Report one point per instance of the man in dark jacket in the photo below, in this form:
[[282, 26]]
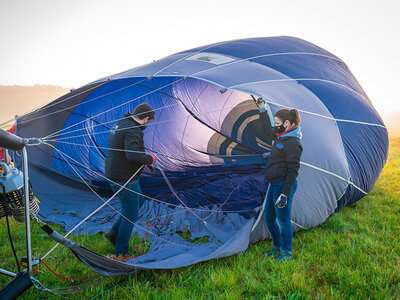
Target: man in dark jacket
[[125, 160]]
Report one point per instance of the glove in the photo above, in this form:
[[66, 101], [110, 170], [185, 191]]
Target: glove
[[281, 201], [154, 158], [149, 167], [261, 104]]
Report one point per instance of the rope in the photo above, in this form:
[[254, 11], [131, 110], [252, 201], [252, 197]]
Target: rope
[[177, 197], [65, 277], [101, 83], [75, 105], [311, 113], [116, 183], [150, 124], [154, 199], [158, 153], [96, 210], [335, 175], [185, 57], [106, 203], [106, 111], [191, 75], [117, 119]]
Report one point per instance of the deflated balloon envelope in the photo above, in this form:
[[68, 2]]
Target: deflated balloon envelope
[[208, 141]]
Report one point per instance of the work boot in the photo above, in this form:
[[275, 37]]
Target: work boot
[[273, 252], [112, 237], [284, 255], [125, 257], [122, 257]]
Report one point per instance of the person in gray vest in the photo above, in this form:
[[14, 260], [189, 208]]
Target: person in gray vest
[[125, 156]]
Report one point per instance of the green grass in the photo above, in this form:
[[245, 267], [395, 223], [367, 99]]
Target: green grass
[[355, 254]]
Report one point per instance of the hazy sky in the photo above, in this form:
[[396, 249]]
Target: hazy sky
[[71, 43]]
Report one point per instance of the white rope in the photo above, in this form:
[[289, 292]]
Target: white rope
[[266, 55], [75, 105], [176, 196], [158, 153], [96, 210], [191, 54], [185, 57], [150, 124], [117, 119], [329, 118], [199, 72], [311, 113], [220, 66], [143, 195], [4, 124], [106, 203], [108, 110], [218, 208], [198, 209], [335, 175], [124, 186]]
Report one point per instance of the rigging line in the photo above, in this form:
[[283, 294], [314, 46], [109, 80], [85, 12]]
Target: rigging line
[[333, 174], [122, 104], [158, 153], [237, 61], [177, 197], [330, 118], [187, 120], [175, 194], [101, 83], [183, 78], [185, 57], [156, 200], [96, 210], [266, 55], [115, 120], [75, 105], [215, 210], [116, 183], [316, 79], [3, 125], [106, 203], [123, 118], [199, 209], [154, 123], [56, 103], [123, 150], [297, 79]]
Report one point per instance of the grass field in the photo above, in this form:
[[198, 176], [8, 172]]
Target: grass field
[[355, 254]]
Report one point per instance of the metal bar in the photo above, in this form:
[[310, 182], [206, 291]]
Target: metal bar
[[27, 214], [6, 156], [8, 273]]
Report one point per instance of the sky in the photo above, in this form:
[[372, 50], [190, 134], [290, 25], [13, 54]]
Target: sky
[[73, 42]]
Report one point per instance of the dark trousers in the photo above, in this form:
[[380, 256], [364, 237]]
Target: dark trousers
[[130, 206], [278, 219]]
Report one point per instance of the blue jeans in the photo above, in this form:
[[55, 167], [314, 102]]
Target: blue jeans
[[130, 206], [282, 235]]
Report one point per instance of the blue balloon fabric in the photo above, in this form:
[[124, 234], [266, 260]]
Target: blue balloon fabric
[[209, 145]]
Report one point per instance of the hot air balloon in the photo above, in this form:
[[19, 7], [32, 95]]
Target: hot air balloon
[[210, 147]]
